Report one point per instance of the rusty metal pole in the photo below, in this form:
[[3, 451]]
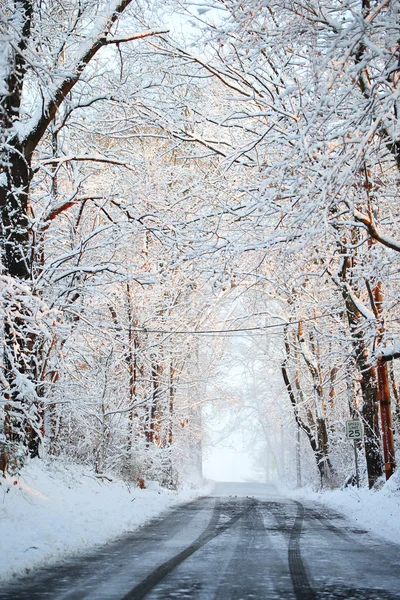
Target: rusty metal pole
[[386, 419], [384, 390]]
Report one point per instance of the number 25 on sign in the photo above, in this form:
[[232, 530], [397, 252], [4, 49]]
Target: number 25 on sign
[[354, 430]]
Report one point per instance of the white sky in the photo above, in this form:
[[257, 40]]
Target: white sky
[[228, 464]]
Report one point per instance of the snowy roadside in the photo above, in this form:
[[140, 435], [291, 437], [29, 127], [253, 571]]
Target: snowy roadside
[[52, 511], [375, 510]]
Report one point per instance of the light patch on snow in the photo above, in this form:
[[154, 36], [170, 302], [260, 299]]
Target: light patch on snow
[[23, 486], [51, 511]]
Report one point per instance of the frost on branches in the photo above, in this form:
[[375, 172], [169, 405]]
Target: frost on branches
[[155, 189]]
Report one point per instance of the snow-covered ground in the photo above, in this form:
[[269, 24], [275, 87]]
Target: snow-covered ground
[[52, 510], [375, 510]]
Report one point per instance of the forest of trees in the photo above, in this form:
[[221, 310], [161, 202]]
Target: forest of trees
[[151, 180]]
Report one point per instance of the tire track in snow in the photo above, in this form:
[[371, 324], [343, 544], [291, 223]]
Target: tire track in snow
[[258, 561], [211, 532], [301, 584]]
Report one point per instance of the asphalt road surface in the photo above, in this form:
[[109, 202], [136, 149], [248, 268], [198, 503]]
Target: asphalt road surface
[[243, 542]]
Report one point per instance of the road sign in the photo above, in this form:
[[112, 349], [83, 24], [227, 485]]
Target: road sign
[[354, 430]]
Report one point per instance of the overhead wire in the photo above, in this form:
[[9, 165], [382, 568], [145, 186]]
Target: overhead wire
[[232, 331]]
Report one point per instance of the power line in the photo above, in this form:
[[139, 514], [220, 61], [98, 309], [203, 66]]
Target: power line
[[230, 331]]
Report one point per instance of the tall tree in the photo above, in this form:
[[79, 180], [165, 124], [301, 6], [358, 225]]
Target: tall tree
[[46, 53]]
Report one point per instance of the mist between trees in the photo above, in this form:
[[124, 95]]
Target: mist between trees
[[149, 182]]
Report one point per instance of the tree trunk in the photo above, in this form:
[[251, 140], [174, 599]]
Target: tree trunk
[[22, 424], [308, 429], [369, 412], [172, 373], [312, 361], [368, 382], [131, 358]]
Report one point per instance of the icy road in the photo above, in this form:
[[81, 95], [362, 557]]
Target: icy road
[[242, 542]]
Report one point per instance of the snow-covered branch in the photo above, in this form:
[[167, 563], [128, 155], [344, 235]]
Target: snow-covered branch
[[389, 353], [382, 238]]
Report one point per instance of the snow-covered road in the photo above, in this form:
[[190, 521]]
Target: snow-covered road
[[244, 541]]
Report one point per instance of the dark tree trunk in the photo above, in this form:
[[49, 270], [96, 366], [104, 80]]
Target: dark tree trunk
[[15, 231], [368, 382], [16, 240], [369, 413], [19, 339], [309, 429]]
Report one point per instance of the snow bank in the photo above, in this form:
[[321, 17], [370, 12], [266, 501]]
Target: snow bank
[[51, 511], [375, 510]]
